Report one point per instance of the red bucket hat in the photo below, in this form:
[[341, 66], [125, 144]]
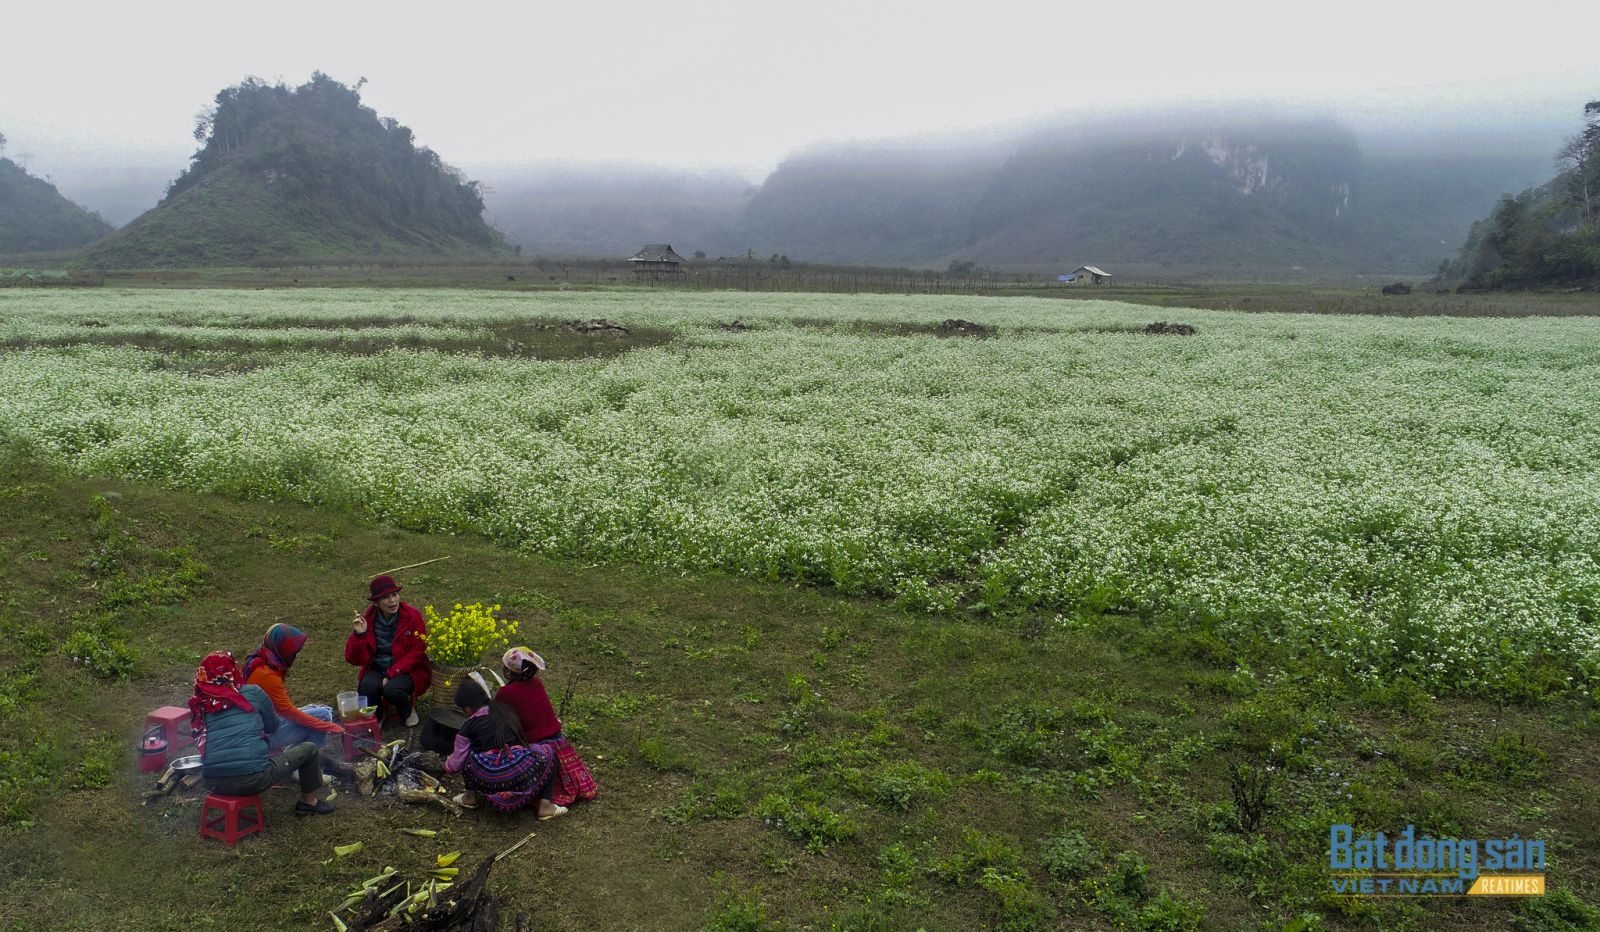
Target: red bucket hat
[[382, 586]]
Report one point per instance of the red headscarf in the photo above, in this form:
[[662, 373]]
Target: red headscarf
[[216, 687]]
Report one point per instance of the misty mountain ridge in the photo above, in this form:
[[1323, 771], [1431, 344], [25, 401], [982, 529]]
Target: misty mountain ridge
[[303, 172], [1161, 190], [35, 217]]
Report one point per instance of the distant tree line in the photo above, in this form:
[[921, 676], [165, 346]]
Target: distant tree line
[[1549, 235]]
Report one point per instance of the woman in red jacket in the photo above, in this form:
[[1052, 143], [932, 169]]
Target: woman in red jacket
[[389, 643]]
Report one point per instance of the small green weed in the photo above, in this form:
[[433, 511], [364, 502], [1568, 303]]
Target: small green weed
[[1028, 734], [809, 822], [1169, 913], [1559, 910], [99, 764], [25, 772], [1130, 876], [1070, 856], [664, 755], [898, 785], [97, 645], [702, 803], [994, 864], [745, 913], [1510, 761]]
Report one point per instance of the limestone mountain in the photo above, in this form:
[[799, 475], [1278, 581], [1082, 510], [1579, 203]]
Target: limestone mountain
[[1177, 193], [1180, 196], [303, 172], [34, 217]]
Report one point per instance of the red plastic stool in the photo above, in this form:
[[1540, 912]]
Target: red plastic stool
[[174, 723], [358, 730], [226, 825]]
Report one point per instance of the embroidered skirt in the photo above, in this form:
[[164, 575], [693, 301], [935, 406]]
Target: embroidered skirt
[[571, 781], [509, 777]]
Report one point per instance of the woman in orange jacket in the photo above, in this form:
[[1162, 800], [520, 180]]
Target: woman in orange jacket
[[268, 667]]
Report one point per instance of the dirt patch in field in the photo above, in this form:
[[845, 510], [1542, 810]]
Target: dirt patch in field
[[1158, 328], [529, 339], [354, 322], [1162, 328], [598, 326], [954, 327]]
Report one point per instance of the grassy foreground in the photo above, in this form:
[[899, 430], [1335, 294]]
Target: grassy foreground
[[766, 754]]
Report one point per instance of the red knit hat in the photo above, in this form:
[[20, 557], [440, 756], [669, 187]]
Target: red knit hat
[[382, 586]]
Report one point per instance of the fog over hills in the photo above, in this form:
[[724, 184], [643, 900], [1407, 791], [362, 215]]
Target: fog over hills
[[1175, 191], [1178, 190], [579, 210], [117, 192]]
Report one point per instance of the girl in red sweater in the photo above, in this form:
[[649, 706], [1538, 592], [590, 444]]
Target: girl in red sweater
[[524, 692]]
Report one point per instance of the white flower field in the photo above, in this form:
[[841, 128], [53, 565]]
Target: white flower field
[[1417, 495]]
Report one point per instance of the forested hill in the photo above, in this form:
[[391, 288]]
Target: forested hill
[[303, 172], [1546, 236], [34, 217]]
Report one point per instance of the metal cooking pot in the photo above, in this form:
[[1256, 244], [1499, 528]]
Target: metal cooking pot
[[186, 764]]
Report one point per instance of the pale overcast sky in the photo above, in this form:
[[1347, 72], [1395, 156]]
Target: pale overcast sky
[[742, 83]]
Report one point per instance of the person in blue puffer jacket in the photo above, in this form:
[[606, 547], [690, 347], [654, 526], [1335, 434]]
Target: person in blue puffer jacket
[[233, 723]]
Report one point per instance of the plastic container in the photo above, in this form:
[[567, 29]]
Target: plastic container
[[349, 702]]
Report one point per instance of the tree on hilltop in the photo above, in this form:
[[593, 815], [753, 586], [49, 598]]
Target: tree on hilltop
[[1581, 157]]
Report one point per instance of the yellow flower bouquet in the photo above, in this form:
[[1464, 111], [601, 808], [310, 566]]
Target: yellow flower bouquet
[[462, 637]]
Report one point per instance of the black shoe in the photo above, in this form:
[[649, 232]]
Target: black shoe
[[320, 808]]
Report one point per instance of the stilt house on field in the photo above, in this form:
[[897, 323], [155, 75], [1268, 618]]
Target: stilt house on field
[[657, 261], [1088, 273]]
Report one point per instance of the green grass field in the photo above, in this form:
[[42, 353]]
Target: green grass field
[[867, 627]]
